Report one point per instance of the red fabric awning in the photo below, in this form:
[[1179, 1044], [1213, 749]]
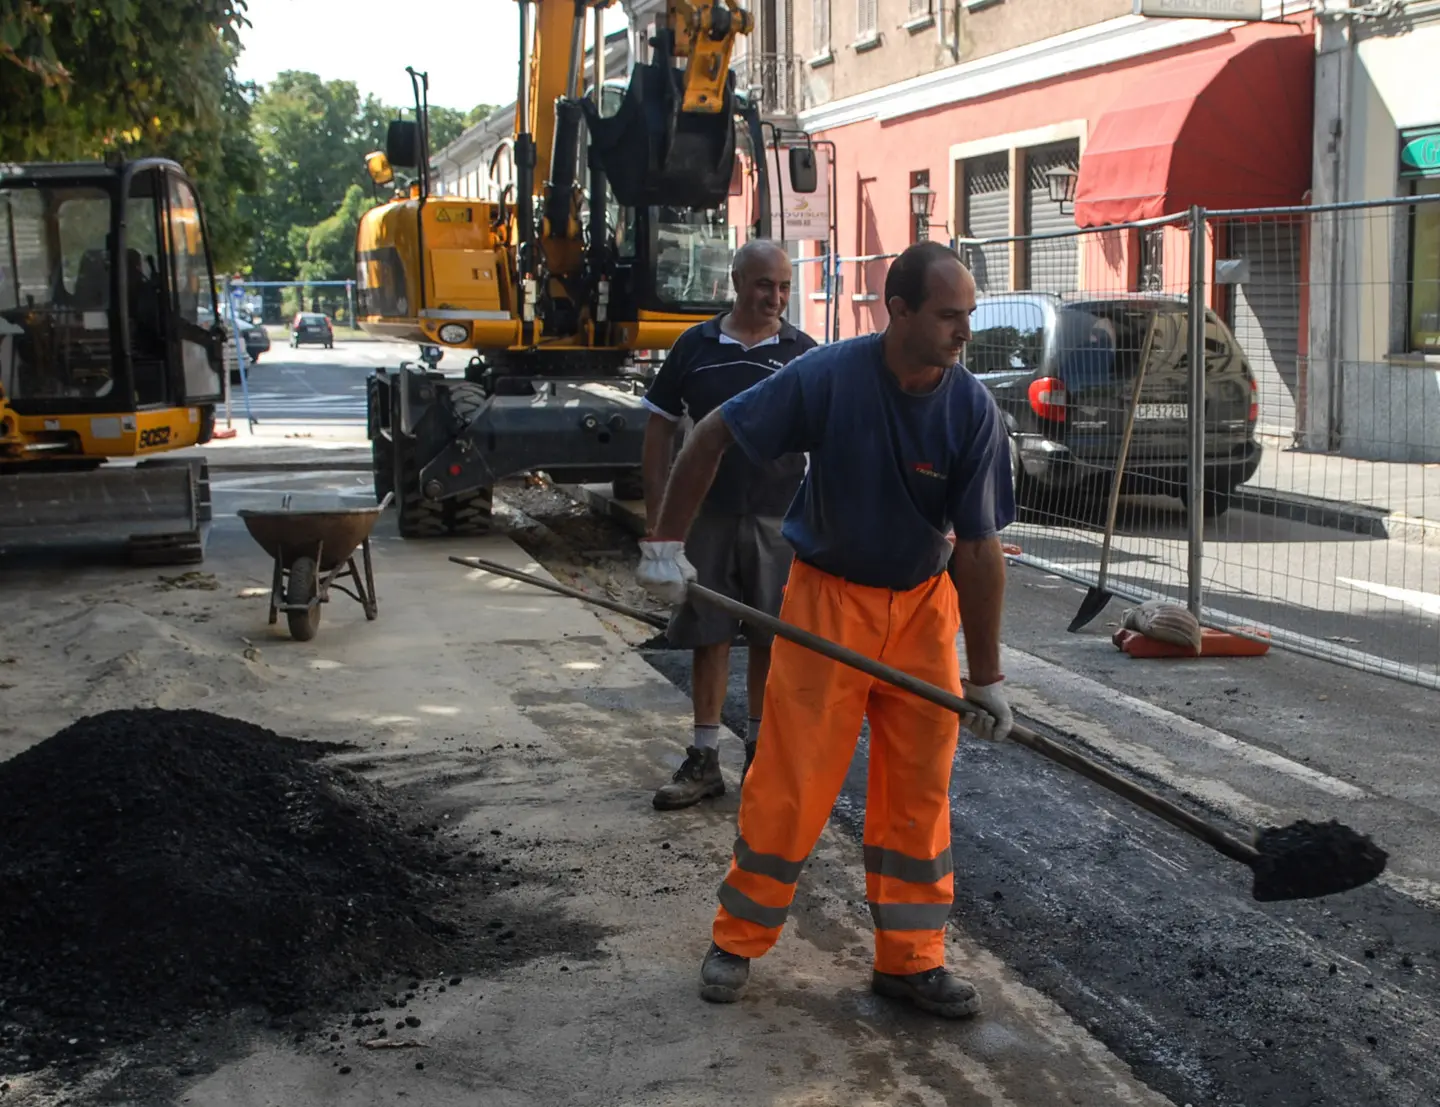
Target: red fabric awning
[[1226, 129]]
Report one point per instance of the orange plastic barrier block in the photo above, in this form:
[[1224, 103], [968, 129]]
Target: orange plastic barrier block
[[1213, 643]]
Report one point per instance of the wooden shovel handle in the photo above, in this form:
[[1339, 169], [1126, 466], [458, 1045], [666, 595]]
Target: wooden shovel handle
[[1176, 816]]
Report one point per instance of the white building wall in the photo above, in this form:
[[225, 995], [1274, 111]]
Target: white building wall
[[1369, 395]]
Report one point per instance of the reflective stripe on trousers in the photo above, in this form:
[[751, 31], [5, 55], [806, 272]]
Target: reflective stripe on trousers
[[813, 711]]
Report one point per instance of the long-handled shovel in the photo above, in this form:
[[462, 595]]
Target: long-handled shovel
[[1098, 596], [1301, 861]]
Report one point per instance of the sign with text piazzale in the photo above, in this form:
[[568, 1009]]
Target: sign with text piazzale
[[1250, 11]]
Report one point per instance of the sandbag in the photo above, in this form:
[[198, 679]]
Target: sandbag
[[1164, 622]]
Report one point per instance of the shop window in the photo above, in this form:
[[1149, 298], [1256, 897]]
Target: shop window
[[1424, 269]]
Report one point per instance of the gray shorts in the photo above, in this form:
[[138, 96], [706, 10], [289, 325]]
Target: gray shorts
[[740, 556]]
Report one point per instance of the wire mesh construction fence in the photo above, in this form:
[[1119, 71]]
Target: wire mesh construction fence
[[1277, 369]]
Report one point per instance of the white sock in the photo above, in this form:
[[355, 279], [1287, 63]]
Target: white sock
[[707, 737], [752, 731]]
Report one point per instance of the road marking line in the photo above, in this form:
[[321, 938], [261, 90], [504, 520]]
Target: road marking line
[[1055, 680], [1427, 602]]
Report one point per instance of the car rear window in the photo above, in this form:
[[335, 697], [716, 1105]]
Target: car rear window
[[312, 318]]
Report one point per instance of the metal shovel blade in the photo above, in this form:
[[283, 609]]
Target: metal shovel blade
[[1308, 860], [1091, 606]]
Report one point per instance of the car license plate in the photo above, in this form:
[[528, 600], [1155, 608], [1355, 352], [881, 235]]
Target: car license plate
[[1162, 411]]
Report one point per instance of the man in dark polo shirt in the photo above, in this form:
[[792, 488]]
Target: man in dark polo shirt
[[735, 545]]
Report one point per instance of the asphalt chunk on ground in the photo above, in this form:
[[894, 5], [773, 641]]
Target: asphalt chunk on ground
[[156, 865]]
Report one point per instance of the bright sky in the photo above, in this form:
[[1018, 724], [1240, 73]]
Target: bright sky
[[469, 47]]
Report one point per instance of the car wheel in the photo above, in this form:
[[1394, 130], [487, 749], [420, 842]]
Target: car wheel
[[1027, 490], [1217, 501]]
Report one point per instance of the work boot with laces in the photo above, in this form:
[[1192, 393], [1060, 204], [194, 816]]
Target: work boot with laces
[[723, 975], [697, 779], [934, 990]]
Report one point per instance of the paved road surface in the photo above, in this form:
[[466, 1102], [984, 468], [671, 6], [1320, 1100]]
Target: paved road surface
[[1150, 938], [313, 384], [1147, 937]]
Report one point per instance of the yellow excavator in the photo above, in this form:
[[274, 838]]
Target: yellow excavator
[[612, 236], [111, 356]]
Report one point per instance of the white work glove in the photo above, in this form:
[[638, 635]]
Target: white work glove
[[994, 722], [665, 571]]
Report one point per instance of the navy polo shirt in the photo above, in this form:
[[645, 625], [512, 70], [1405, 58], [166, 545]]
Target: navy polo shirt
[[705, 368]]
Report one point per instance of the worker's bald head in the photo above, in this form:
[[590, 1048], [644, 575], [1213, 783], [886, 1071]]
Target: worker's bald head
[[757, 253], [761, 272]]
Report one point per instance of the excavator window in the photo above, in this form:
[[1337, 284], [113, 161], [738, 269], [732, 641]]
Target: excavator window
[[55, 240], [692, 256]]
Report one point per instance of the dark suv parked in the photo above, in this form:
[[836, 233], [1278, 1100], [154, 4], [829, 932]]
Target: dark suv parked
[[1063, 372]]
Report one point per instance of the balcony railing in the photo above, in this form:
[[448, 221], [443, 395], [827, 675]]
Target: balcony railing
[[772, 80]]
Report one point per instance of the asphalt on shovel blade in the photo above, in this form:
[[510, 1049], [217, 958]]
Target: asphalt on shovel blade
[[1094, 602], [1307, 860]]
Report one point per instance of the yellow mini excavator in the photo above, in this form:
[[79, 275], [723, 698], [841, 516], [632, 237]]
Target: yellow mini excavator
[[611, 236], [111, 354]]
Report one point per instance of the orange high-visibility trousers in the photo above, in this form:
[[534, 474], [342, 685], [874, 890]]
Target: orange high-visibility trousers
[[813, 711]]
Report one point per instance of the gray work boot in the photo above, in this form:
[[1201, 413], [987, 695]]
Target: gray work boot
[[723, 975], [934, 990], [749, 757], [697, 779]]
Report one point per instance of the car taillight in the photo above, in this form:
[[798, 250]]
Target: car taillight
[[1254, 401], [1047, 398]]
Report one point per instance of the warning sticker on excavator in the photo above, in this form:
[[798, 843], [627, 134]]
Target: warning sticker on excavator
[[454, 215]]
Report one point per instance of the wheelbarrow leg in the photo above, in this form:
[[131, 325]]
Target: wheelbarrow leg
[[372, 602], [277, 587]]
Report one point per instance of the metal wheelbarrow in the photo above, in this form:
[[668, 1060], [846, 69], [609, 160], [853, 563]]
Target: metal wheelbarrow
[[313, 551]]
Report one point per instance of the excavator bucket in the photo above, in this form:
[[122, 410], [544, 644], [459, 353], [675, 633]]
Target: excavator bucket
[[655, 154]]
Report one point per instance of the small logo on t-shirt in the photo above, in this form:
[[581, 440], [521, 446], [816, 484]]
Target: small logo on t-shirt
[[925, 469]]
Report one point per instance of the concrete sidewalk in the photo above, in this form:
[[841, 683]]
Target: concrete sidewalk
[[529, 721], [1377, 498]]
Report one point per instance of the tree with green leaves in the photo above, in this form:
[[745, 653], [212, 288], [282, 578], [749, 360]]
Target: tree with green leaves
[[79, 80]]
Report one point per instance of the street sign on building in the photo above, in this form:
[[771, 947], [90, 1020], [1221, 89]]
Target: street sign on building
[[806, 214], [1250, 11]]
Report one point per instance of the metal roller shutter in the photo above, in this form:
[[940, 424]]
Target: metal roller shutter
[[987, 215], [1267, 315], [1053, 264]]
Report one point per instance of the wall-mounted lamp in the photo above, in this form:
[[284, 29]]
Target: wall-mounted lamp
[[922, 201], [1062, 182]]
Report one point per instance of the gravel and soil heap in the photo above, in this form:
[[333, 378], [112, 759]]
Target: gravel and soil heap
[[157, 864]]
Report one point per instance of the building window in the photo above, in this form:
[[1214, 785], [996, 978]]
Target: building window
[[1424, 269], [919, 220], [1152, 260], [867, 20], [920, 10], [820, 28]]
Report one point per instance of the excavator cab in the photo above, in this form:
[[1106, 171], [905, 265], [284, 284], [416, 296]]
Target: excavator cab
[[107, 301], [110, 347]]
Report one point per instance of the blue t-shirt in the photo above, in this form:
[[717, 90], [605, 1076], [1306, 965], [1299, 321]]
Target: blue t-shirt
[[890, 472]]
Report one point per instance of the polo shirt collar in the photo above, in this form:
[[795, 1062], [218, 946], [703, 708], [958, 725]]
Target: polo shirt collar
[[711, 329]]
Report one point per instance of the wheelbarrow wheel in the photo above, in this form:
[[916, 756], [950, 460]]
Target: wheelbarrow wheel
[[300, 589]]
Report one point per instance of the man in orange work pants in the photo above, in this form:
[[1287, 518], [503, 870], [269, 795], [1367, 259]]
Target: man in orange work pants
[[905, 447]]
